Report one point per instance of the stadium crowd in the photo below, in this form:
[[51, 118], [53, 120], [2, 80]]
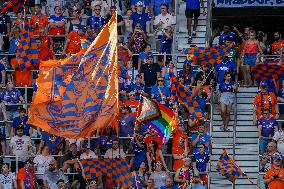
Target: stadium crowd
[[64, 28]]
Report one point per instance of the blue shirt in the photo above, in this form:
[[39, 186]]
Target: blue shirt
[[139, 154], [142, 18], [14, 42], [57, 19], [201, 161], [17, 121], [143, 57], [267, 126], [11, 97], [126, 126], [222, 68], [281, 92], [202, 140], [105, 142], [53, 142], [2, 67], [96, 22], [158, 92], [166, 45], [192, 4], [224, 87]]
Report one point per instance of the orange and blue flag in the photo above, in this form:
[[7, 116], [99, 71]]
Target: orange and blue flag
[[27, 52], [179, 94], [118, 169], [77, 95], [12, 6], [268, 70], [205, 56], [227, 167]]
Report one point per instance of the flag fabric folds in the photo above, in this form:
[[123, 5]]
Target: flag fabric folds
[[117, 168], [27, 52], [179, 94], [159, 118], [265, 71], [205, 56], [79, 94], [227, 167], [12, 6]]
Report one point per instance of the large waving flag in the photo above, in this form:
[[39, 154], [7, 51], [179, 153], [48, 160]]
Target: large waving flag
[[27, 52], [227, 167], [77, 95], [265, 71], [179, 94], [206, 56], [158, 118], [118, 169], [12, 6]]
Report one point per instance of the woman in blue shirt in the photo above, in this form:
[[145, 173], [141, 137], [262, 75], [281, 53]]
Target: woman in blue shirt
[[226, 99]]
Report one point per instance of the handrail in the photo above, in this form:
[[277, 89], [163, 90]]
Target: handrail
[[235, 123], [210, 131], [209, 22]]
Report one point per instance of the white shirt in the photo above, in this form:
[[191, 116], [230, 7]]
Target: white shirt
[[168, 20], [42, 164], [110, 153], [89, 156], [7, 181], [279, 138], [21, 146]]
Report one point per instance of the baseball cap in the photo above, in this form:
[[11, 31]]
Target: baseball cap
[[150, 55], [263, 84], [139, 3]]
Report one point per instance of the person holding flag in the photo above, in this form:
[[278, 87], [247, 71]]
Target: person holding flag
[[275, 174]]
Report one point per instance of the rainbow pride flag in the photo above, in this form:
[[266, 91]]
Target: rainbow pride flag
[[162, 121]]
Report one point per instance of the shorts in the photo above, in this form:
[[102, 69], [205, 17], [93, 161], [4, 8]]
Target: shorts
[[227, 98], [190, 13], [250, 59]]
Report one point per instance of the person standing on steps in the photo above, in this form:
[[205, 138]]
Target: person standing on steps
[[192, 11]]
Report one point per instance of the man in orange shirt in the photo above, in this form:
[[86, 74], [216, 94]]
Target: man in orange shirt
[[265, 100], [74, 40], [133, 104], [274, 177], [26, 176], [278, 44], [38, 21]]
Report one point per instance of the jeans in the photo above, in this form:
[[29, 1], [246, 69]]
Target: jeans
[[263, 144]]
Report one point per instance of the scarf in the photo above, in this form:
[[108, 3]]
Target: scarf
[[27, 182], [262, 102]]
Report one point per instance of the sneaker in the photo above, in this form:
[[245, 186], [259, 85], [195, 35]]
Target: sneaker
[[193, 33], [189, 41]]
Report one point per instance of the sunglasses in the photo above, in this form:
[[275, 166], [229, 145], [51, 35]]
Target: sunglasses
[[98, 9], [160, 80]]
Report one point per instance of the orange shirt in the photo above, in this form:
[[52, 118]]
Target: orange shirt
[[74, 46], [22, 176], [42, 23], [257, 102], [276, 183], [135, 107], [178, 163], [277, 45]]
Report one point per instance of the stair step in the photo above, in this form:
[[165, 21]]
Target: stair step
[[239, 117], [247, 89], [239, 123], [239, 157], [246, 134], [238, 140]]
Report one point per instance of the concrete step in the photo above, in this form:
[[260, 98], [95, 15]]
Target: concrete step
[[245, 134], [216, 128], [238, 140], [239, 157], [183, 44], [246, 117], [239, 123], [247, 89], [247, 149]]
